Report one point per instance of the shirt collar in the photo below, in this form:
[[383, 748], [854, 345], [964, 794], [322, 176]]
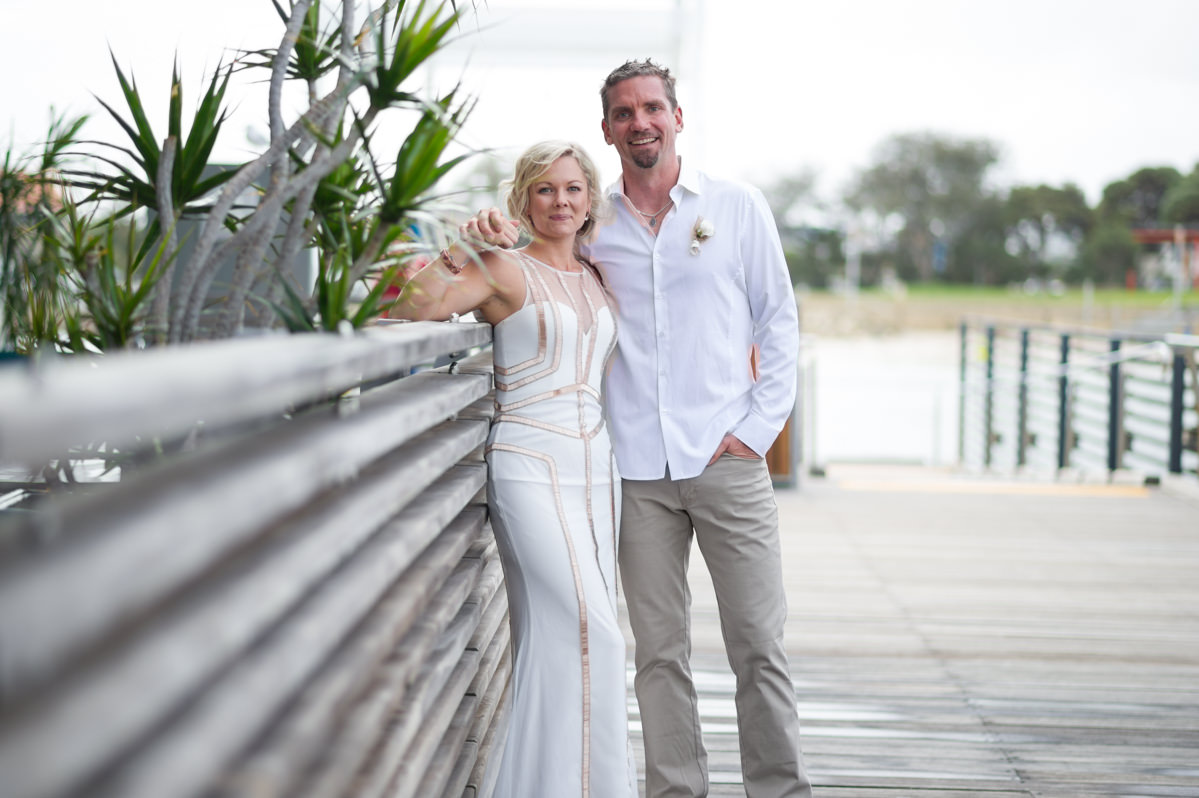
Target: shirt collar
[[689, 179]]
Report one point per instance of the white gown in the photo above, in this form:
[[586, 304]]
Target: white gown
[[554, 495]]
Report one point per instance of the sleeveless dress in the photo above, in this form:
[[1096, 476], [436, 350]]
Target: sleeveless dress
[[554, 495]]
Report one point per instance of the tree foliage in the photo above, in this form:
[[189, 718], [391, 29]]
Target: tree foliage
[[1109, 254], [1137, 200], [1046, 226], [1180, 205], [931, 184], [321, 186], [929, 211]]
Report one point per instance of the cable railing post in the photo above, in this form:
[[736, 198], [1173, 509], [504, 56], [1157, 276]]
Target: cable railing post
[[1063, 406], [1115, 410], [963, 336], [1177, 387], [989, 406], [1022, 405]]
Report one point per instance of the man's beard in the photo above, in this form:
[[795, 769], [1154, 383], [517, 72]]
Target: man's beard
[[646, 160]]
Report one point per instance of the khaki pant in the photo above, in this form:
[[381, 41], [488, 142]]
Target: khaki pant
[[731, 509]]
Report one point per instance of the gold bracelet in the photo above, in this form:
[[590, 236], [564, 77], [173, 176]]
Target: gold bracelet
[[449, 262]]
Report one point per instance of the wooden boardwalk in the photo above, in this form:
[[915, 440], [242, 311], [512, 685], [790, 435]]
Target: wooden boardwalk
[[954, 636]]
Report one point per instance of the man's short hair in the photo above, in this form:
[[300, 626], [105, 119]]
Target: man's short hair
[[636, 69]]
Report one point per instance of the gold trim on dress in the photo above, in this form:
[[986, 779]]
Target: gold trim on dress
[[575, 293], [584, 639]]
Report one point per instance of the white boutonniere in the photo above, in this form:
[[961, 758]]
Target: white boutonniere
[[702, 231]]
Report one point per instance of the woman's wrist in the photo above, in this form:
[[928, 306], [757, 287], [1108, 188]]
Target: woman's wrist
[[451, 265]]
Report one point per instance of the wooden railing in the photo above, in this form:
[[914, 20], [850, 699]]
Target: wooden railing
[[291, 588]]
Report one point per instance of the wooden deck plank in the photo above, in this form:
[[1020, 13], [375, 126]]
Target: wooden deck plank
[[954, 642]]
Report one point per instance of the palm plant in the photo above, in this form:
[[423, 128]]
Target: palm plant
[[178, 165], [113, 283], [34, 295], [318, 187]]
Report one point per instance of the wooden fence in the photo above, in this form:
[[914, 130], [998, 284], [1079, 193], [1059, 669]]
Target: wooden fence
[[292, 588]]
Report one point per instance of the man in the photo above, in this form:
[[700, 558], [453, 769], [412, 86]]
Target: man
[[703, 381]]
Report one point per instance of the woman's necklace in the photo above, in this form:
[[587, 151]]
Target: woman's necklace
[[653, 217]]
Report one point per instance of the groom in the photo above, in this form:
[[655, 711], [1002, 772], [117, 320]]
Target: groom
[[702, 383]]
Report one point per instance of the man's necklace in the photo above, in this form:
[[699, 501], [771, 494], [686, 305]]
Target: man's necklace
[[653, 217]]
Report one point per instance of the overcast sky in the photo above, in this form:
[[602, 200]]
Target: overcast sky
[[1071, 90]]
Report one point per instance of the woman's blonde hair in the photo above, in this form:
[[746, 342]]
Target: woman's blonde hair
[[535, 162]]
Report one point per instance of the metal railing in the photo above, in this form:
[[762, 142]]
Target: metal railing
[[1053, 399], [291, 589]]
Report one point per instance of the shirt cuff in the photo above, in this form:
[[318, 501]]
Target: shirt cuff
[[756, 434]]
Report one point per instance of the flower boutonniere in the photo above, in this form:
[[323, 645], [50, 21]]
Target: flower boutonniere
[[702, 231]]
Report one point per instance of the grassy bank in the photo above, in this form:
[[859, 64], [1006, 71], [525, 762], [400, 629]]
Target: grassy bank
[[939, 307]]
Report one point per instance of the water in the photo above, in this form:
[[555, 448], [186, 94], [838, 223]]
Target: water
[[882, 399]]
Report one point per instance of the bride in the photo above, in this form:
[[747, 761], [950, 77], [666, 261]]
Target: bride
[[553, 487]]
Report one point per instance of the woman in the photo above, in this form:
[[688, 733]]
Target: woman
[[553, 490]]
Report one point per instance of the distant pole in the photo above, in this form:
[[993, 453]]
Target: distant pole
[[1063, 405], [989, 399], [964, 341], [1022, 403], [1115, 410], [853, 263], [1177, 389], [1180, 271]]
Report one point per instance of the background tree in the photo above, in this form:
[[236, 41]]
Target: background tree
[[1137, 200], [978, 254], [933, 185], [814, 255], [1181, 203], [1109, 254], [814, 251], [1046, 227]]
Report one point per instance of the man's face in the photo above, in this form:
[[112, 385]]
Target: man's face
[[640, 123]]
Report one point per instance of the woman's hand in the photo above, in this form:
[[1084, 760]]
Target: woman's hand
[[489, 228]]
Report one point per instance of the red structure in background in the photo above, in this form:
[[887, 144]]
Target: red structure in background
[[1183, 237], [1165, 235]]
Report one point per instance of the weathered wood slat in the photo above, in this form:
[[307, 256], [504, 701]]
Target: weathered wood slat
[[487, 596], [447, 674], [418, 759], [164, 392], [459, 778], [275, 765], [441, 766], [305, 599], [163, 668], [485, 773], [478, 363], [366, 725], [148, 536], [190, 755], [493, 627], [489, 684]]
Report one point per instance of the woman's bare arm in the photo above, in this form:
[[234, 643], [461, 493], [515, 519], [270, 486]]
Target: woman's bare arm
[[459, 284]]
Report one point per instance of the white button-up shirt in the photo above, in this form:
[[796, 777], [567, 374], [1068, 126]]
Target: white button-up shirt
[[689, 325]]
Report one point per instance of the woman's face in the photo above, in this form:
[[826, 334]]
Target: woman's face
[[559, 200]]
